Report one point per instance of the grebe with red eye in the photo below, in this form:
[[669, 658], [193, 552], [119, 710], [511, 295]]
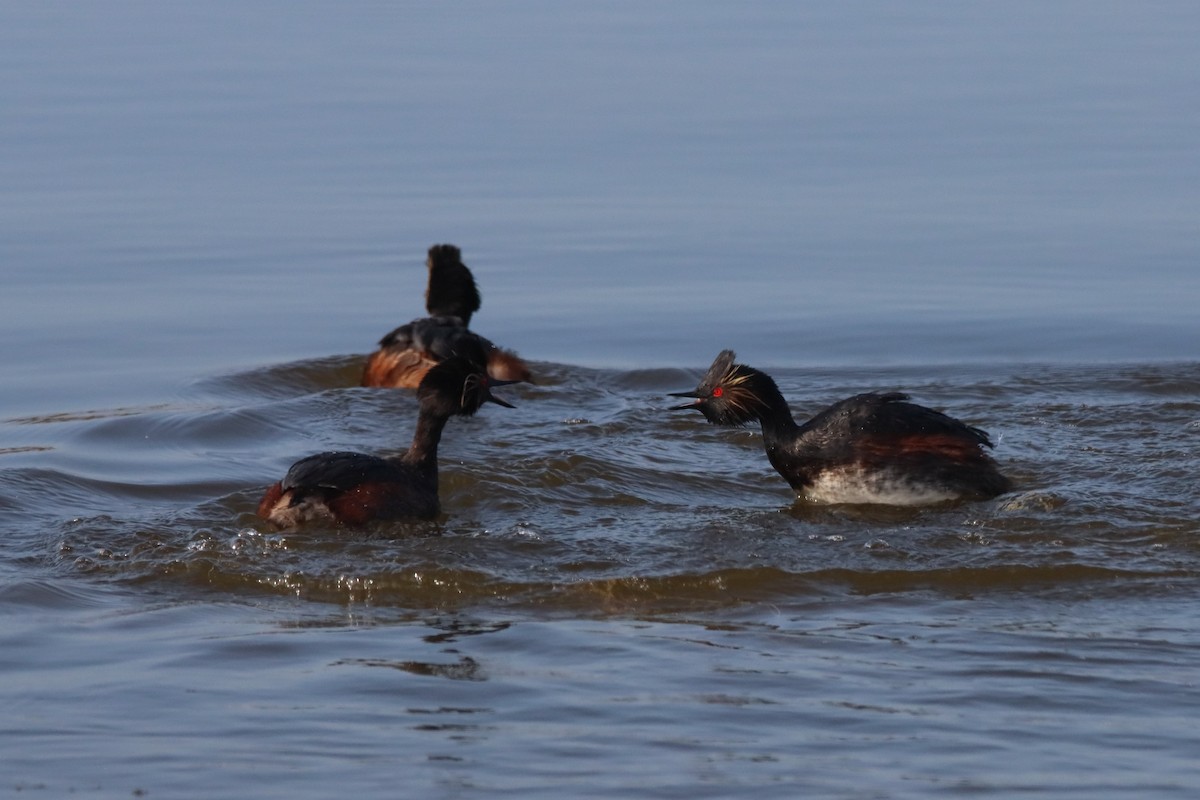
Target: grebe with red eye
[[354, 488], [451, 297], [870, 448]]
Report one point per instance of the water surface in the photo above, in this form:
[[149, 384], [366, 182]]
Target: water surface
[[211, 214]]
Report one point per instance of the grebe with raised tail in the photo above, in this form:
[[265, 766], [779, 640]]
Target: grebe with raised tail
[[870, 448], [451, 297], [354, 488]]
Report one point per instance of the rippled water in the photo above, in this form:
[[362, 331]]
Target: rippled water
[[617, 598], [591, 495], [209, 214]]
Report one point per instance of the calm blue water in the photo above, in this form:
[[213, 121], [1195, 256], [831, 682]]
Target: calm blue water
[[208, 214]]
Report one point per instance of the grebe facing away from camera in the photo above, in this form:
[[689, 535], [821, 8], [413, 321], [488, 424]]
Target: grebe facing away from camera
[[354, 488], [870, 448], [451, 297]]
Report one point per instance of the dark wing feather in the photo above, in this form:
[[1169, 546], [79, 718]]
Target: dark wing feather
[[890, 415], [885, 431], [440, 338], [336, 472]]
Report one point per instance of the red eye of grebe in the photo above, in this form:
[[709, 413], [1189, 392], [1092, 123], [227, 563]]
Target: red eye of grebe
[[718, 391]]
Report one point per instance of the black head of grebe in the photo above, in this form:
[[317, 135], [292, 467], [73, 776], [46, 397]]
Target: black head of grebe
[[870, 448], [733, 394], [451, 297], [354, 488]]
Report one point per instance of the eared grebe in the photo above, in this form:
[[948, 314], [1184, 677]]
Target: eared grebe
[[353, 488], [870, 448], [451, 297]]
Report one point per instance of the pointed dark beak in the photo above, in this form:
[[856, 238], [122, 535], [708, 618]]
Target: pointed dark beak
[[694, 404], [491, 398]]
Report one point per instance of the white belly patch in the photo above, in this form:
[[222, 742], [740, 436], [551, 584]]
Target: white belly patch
[[857, 486]]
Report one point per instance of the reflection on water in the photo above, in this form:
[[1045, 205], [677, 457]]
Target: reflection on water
[[464, 669]]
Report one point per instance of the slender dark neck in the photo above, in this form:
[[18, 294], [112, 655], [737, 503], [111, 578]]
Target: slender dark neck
[[776, 418], [782, 441], [422, 453]]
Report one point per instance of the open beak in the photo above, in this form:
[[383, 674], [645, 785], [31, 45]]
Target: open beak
[[694, 404], [491, 398]]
